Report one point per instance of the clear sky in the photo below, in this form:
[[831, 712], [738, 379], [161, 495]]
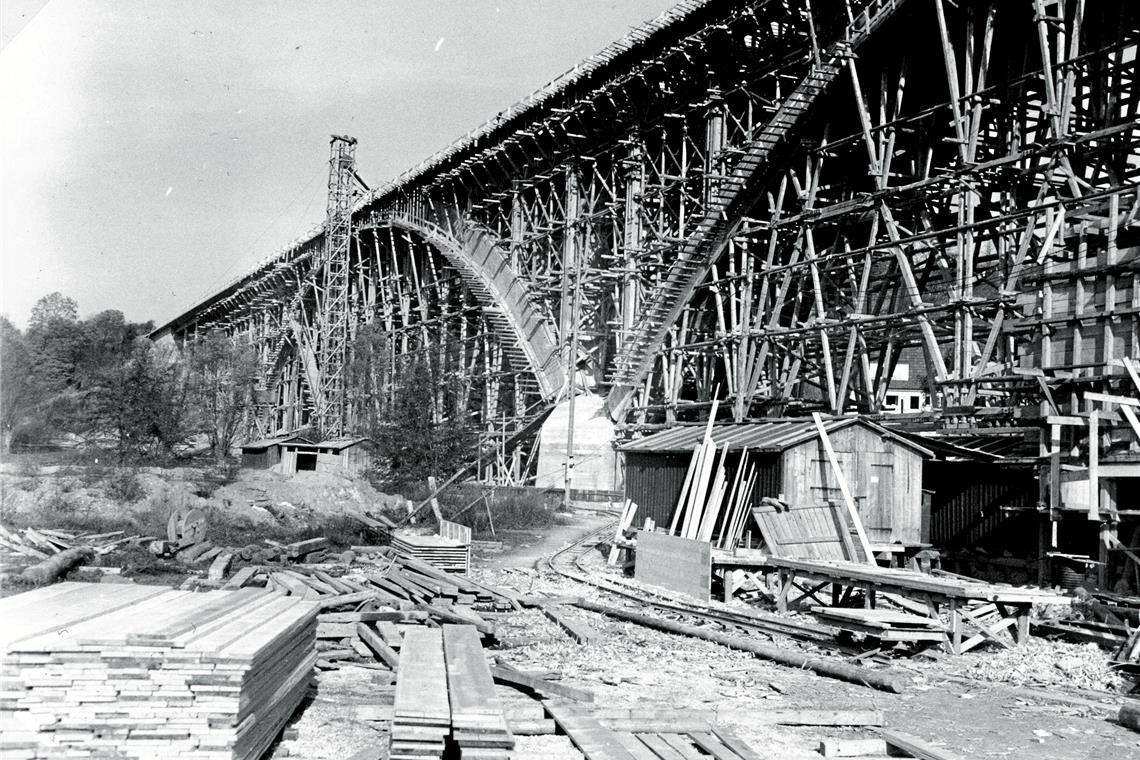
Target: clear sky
[[152, 150]]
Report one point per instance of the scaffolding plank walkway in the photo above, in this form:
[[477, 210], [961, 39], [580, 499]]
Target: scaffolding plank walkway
[[950, 594]]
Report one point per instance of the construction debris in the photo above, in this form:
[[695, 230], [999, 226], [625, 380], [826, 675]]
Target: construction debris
[[43, 543], [822, 666], [1039, 662]]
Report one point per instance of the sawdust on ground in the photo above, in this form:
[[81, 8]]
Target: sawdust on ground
[[627, 665]]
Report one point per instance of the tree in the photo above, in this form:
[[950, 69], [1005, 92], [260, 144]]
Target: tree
[[140, 400], [55, 343], [222, 374], [54, 308], [18, 396], [99, 376], [423, 430]]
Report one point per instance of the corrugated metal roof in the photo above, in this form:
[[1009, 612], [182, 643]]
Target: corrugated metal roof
[[772, 436]]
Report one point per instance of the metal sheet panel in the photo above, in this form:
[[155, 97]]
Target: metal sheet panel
[[653, 482]]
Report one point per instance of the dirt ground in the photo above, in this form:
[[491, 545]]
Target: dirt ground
[[630, 665]]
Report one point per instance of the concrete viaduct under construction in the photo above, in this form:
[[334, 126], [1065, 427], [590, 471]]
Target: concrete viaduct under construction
[[922, 210]]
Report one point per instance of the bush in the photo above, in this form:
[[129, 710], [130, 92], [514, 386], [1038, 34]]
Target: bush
[[27, 467], [94, 474], [139, 560], [227, 529], [57, 506], [124, 486], [221, 474], [510, 510]]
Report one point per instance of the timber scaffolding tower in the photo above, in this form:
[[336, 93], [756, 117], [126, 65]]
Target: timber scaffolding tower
[[772, 204], [332, 298]]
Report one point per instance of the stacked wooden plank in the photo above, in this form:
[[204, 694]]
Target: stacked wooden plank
[[94, 670], [397, 578], [461, 533], [478, 725], [886, 625], [445, 697], [422, 713], [445, 553], [363, 616], [616, 734]]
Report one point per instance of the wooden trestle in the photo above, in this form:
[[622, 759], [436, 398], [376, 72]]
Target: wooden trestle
[[763, 203]]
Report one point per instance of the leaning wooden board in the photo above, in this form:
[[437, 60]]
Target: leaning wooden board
[[679, 564]]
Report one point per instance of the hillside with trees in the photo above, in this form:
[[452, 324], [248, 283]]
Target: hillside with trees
[[100, 381]]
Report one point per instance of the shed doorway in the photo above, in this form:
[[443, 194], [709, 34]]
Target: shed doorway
[[306, 462]]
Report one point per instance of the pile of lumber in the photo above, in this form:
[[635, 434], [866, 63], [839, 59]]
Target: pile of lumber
[[445, 695], [365, 614], [95, 670], [44, 543], [444, 552], [204, 551], [712, 503], [422, 714], [390, 577], [478, 725], [887, 626], [631, 734]]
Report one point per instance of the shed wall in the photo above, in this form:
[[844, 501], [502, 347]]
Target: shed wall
[[884, 477], [261, 460], [357, 459], [653, 482], [967, 502]]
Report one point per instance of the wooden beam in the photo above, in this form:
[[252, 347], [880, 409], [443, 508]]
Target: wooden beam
[[1132, 420], [1108, 398], [915, 746]]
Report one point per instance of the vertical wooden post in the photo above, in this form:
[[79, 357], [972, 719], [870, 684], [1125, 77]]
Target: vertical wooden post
[[1094, 465], [631, 240]]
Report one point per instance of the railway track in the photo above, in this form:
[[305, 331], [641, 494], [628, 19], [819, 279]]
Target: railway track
[[750, 622], [567, 562]]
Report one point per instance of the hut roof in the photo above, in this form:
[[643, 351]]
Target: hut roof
[[773, 436], [265, 443]]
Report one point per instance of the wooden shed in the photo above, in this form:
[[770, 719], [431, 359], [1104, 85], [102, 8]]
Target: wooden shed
[[351, 456], [883, 470], [264, 453]]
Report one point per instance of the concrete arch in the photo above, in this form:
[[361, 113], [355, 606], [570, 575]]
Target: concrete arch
[[526, 335]]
